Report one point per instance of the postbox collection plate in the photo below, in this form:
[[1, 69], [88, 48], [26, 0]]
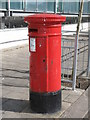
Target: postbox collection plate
[[32, 44]]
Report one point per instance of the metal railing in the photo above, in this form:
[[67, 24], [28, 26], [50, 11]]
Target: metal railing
[[67, 58]]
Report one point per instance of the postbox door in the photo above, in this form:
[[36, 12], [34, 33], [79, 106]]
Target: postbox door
[[38, 64]]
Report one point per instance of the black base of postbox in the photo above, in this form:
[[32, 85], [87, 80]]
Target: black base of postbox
[[45, 102]]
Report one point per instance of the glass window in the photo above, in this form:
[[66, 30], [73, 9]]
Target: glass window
[[31, 5], [41, 5], [66, 7], [16, 4], [71, 7], [59, 5], [86, 7], [89, 7], [2, 4], [50, 5], [74, 7]]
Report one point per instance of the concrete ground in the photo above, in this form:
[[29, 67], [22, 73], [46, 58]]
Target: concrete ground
[[14, 84]]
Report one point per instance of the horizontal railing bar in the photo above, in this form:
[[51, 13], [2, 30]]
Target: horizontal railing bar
[[73, 55], [73, 50], [63, 80], [67, 47]]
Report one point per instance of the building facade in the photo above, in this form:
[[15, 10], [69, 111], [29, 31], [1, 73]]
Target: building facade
[[49, 6], [12, 12]]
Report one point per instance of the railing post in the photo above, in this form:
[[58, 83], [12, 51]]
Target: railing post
[[74, 72], [75, 63], [55, 6], [24, 5], [9, 8], [88, 68]]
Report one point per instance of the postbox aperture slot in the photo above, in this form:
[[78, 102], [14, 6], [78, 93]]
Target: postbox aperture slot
[[33, 30], [43, 60]]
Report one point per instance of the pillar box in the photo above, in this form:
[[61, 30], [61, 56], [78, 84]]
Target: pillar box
[[45, 61]]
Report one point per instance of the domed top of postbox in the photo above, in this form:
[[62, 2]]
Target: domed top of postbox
[[49, 19]]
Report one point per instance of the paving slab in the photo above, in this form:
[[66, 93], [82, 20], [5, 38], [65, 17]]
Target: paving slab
[[12, 82], [14, 105], [9, 114], [71, 98], [16, 95], [79, 108], [15, 89], [64, 95]]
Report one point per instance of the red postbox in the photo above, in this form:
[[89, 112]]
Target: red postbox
[[45, 61]]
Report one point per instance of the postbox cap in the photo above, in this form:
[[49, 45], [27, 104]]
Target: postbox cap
[[44, 19]]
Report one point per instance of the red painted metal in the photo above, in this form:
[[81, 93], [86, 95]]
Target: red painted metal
[[45, 57]]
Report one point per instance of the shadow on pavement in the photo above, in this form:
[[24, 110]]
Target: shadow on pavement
[[16, 105]]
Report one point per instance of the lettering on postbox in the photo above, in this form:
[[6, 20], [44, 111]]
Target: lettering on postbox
[[32, 44]]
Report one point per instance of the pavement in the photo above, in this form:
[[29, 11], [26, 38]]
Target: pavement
[[18, 36], [14, 84]]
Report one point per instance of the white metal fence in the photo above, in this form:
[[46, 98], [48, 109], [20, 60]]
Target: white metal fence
[[67, 57]]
